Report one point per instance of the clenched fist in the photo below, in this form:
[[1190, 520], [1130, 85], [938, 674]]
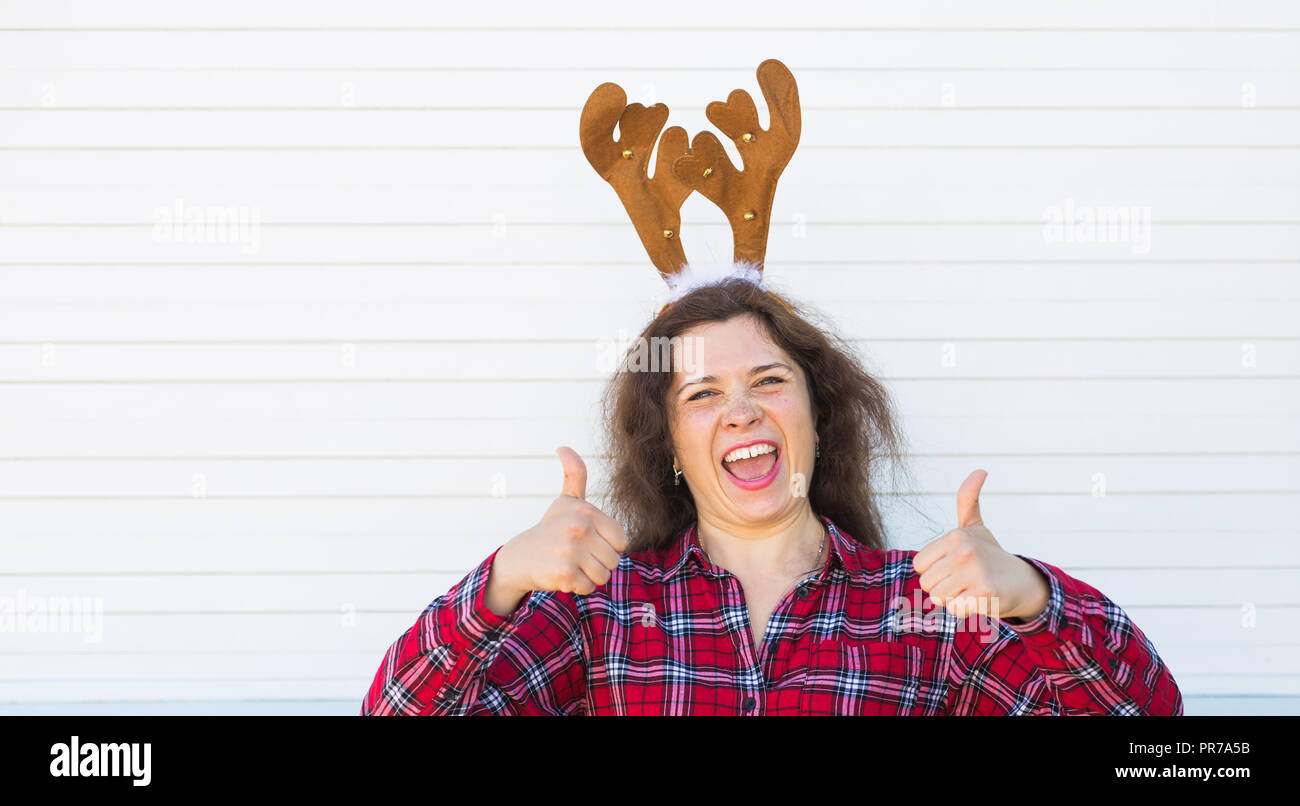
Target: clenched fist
[[961, 566], [573, 548]]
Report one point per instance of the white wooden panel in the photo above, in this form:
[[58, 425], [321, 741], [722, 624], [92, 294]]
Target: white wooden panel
[[189, 650], [398, 318], [928, 14], [870, 201], [235, 442], [1073, 403], [320, 593], [351, 92], [576, 359], [187, 430], [45, 129], [30, 555], [105, 285], [467, 242], [554, 49], [434, 514], [1077, 166], [1207, 474]]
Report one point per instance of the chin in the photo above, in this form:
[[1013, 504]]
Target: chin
[[763, 504]]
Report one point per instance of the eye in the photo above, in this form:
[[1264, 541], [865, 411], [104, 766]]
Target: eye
[[760, 383]]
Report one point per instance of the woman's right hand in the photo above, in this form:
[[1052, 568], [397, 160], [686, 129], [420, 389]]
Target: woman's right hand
[[573, 548]]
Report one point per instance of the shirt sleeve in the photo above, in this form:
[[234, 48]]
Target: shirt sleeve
[[460, 658], [1080, 655]]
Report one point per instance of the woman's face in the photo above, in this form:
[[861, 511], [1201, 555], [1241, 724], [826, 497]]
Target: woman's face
[[736, 388]]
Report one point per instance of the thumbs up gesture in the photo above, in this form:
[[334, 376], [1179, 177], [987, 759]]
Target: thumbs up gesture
[[968, 572], [573, 548]]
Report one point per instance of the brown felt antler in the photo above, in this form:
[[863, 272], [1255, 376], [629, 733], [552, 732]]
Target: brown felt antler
[[745, 196], [654, 205]]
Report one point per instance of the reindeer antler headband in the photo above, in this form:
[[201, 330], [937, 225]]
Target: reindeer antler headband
[[654, 205]]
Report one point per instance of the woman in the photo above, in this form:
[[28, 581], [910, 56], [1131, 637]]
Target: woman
[[743, 568]]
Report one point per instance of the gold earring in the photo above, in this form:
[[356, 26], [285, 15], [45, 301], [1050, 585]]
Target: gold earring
[[677, 476]]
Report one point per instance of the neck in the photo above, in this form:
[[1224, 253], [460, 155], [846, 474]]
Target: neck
[[778, 548]]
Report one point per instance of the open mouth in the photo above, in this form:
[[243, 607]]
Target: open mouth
[[752, 462]]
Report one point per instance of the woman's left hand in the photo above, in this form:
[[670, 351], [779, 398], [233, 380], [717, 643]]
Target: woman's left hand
[[967, 572]]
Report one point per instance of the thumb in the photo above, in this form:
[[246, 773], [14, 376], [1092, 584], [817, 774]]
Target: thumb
[[968, 499], [575, 473]]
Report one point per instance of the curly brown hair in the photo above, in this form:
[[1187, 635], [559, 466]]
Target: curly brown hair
[[854, 413]]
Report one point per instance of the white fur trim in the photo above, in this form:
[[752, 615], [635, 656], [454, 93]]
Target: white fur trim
[[702, 274]]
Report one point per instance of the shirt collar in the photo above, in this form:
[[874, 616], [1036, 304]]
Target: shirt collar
[[687, 549]]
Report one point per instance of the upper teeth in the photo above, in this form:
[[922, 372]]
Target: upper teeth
[[749, 452]]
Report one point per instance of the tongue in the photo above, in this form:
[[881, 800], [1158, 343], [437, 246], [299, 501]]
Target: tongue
[[754, 468]]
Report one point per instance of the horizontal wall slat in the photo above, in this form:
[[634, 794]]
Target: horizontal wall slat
[[1081, 165], [181, 431], [296, 551], [683, 92], [120, 596], [104, 284], [1192, 14], [857, 200], [1131, 234], [405, 49], [1198, 675], [471, 475], [114, 518], [1076, 400], [41, 128], [943, 360], [572, 319]]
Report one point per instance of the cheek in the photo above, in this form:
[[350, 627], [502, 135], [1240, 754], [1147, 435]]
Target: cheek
[[696, 416], [697, 435], [791, 412], [693, 429]]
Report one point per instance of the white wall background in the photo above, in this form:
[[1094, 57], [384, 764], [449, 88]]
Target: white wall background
[[266, 457]]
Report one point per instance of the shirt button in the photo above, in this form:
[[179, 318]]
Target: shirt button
[[802, 592], [1112, 663], [750, 702]]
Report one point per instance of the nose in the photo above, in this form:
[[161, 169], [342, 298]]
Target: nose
[[743, 412]]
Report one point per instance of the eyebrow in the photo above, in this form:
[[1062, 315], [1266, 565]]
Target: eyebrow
[[713, 378]]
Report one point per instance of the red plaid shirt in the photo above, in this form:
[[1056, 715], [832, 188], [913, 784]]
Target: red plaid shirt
[[669, 634]]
